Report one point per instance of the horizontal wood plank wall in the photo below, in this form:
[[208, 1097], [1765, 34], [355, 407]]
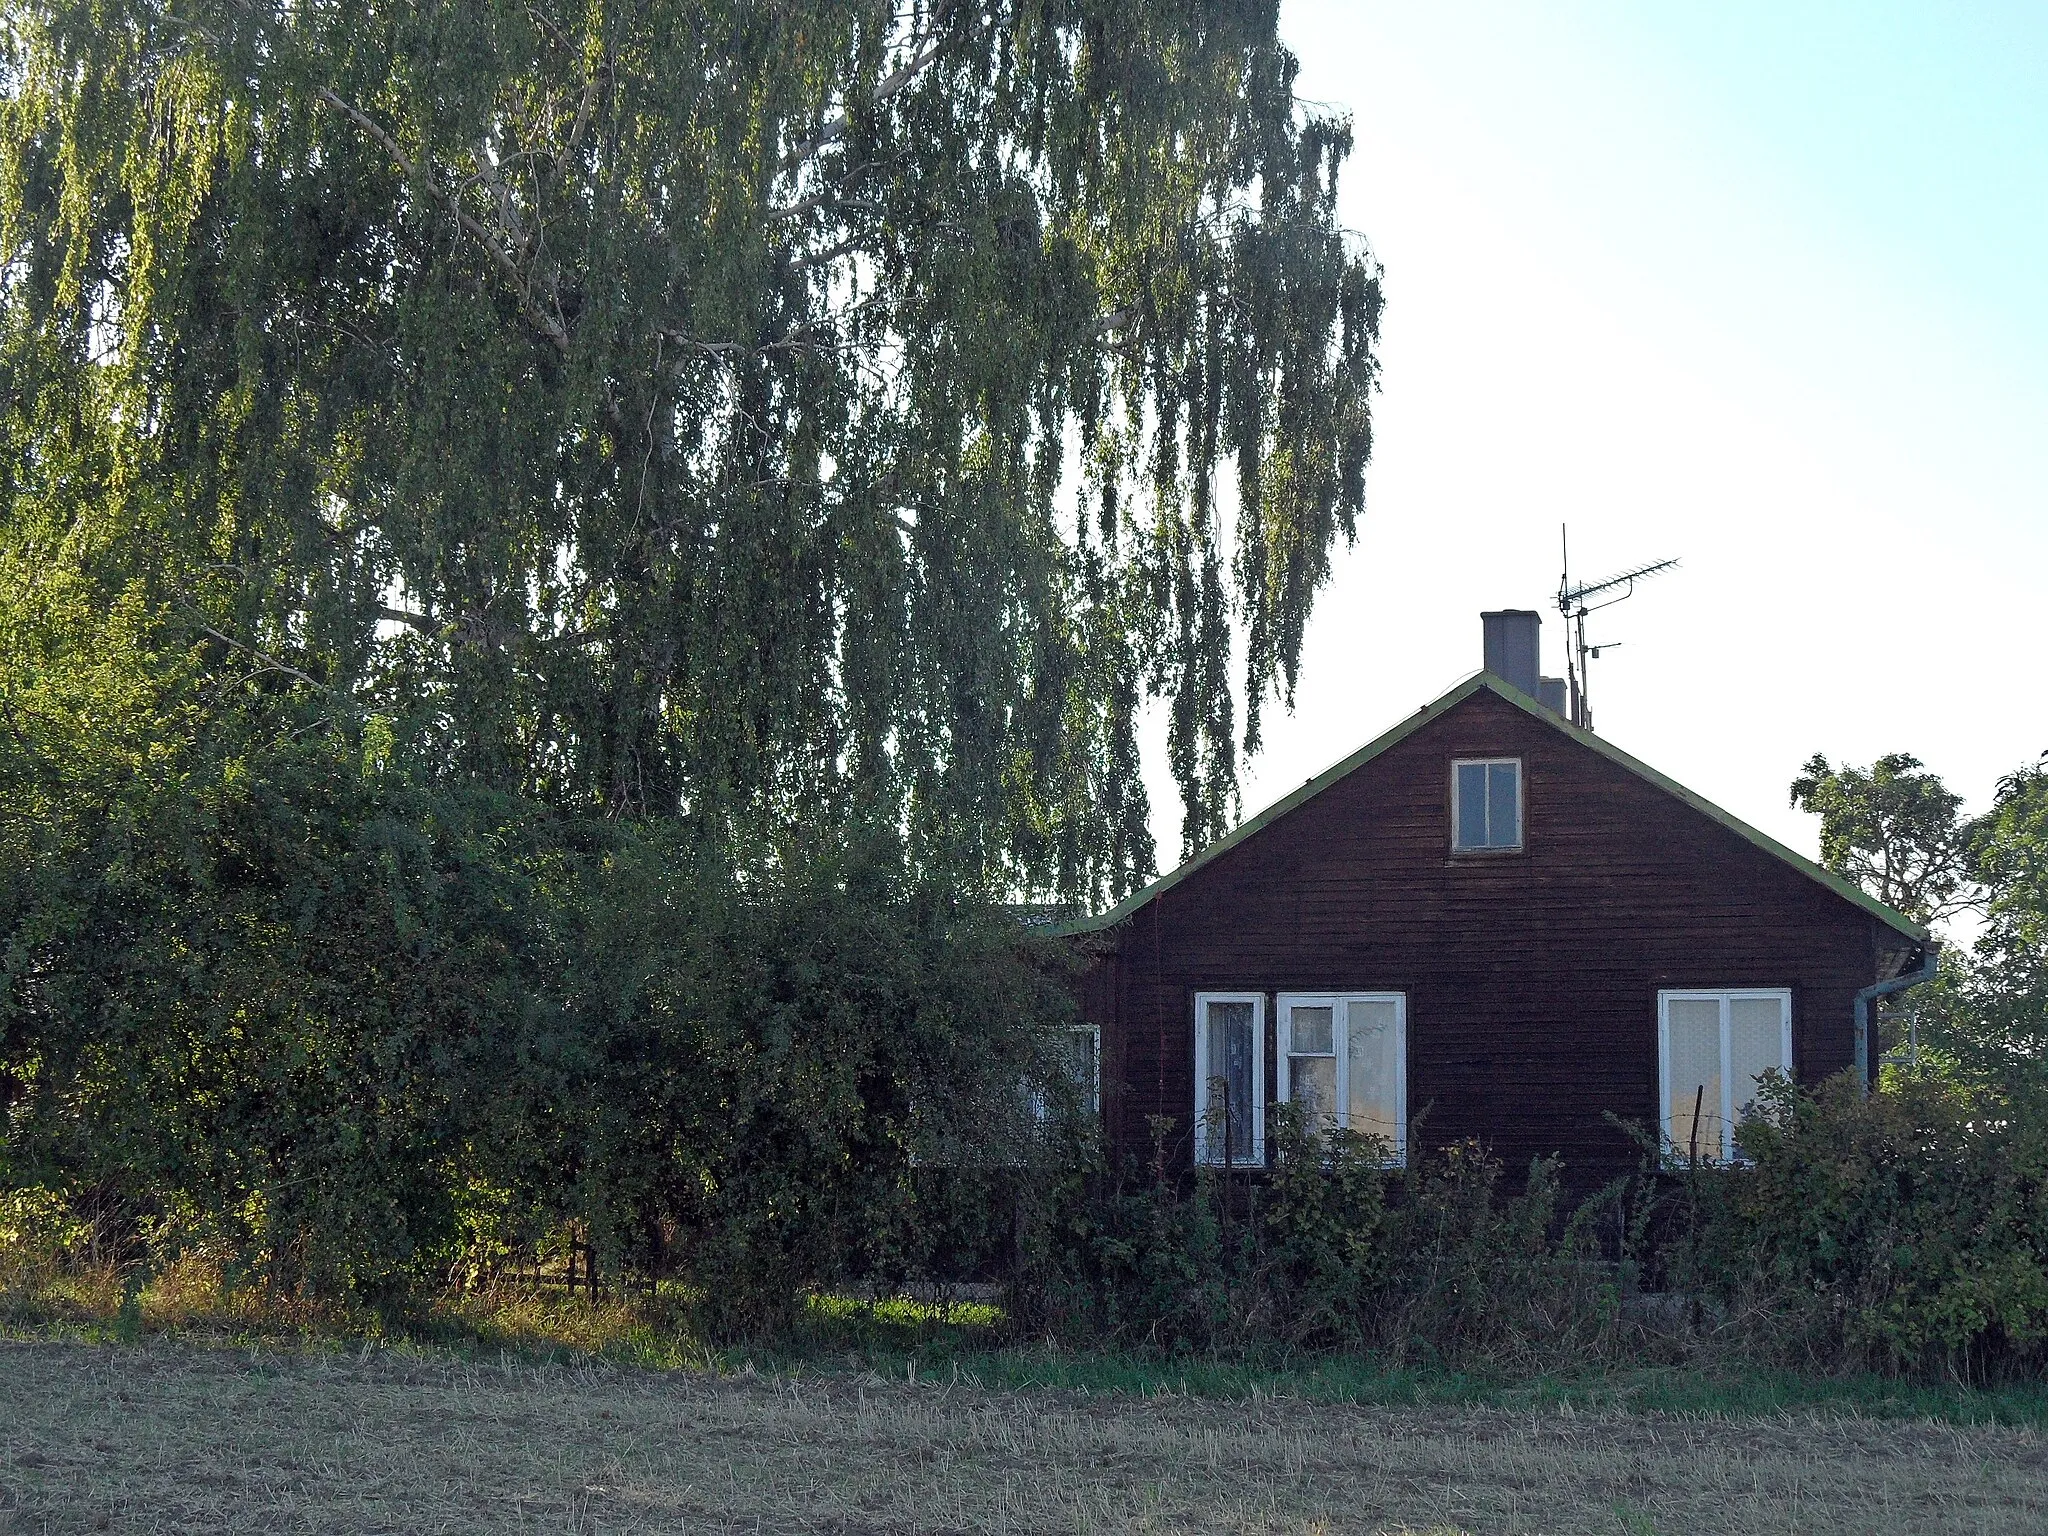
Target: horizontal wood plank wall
[[1532, 978]]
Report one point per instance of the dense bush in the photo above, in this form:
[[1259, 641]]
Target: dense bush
[[1904, 1232], [1336, 1249], [1909, 1229], [276, 1000]]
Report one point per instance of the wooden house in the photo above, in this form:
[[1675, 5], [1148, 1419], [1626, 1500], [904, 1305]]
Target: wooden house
[[1495, 916]]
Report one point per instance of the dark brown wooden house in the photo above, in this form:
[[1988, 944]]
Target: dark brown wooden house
[[1498, 917]]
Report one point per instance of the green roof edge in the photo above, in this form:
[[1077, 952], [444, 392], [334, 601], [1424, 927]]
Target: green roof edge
[[1847, 890]]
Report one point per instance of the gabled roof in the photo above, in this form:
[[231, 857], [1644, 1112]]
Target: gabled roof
[[1845, 889]]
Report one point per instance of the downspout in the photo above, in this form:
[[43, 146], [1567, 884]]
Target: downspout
[[1930, 958]]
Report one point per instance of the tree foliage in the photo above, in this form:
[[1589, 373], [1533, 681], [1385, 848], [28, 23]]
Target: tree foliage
[[1901, 834], [770, 416], [281, 1004], [1894, 829], [558, 562], [1993, 1021]]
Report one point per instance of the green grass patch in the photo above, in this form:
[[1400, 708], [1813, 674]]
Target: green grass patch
[[902, 1339], [1717, 1392]]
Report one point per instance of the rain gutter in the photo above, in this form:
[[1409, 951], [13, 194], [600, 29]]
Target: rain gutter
[[1930, 957]]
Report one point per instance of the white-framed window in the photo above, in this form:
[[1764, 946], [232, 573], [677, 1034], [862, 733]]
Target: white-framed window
[[1230, 1078], [1486, 804], [1712, 1047], [1344, 1059], [1076, 1051]]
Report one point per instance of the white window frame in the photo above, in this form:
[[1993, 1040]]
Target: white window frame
[[1341, 1037], [1726, 997], [1091, 1091], [1206, 1155], [1521, 805]]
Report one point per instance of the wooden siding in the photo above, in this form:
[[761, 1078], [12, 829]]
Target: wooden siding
[[1532, 977]]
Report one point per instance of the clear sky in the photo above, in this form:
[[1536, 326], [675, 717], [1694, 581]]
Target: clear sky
[[1756, 285]]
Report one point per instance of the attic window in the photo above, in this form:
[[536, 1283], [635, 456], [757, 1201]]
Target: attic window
[[1486, 798]]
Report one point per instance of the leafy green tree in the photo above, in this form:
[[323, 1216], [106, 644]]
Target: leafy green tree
[[1900, 833], [776, 417], [2010, 854], [1993, 1022], [1894, 829], [554, 562]]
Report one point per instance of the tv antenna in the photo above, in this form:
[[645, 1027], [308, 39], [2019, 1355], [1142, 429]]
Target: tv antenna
[[1575, 602]]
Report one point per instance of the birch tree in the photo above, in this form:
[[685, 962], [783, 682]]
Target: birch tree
[[786, 417]]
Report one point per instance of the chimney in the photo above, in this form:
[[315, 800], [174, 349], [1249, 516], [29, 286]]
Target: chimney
[[1514, 647]]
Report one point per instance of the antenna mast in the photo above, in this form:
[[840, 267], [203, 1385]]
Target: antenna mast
[[1573, 602]]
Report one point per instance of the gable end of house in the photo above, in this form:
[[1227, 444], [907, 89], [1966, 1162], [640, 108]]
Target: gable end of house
[[1108, 921]]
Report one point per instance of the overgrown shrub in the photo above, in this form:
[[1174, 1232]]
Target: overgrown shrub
[[1908, 1230], [1905, 1232], [349, 1034], [1334, 1250]]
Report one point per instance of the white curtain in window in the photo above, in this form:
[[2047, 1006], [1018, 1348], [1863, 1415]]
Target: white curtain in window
[[1756, 1031], [1374, 1057], [1344, 1061], [1694, 1032], [1716, 1047]]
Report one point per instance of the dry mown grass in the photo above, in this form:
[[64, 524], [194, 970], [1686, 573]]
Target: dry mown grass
[[169, 1437]]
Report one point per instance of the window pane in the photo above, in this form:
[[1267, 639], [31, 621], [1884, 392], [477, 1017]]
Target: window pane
[[1312, 1083], [1311, 1032], [1502, 813], [1374, 1048], [1230, 1079], [1081, 1068], [1757, 1040], [1695, 1076], [1471, 805]]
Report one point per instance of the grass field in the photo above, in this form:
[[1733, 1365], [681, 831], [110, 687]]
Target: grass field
[[174, 1436]]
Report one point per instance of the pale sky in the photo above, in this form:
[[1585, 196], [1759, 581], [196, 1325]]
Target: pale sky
[[1756, 285]]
